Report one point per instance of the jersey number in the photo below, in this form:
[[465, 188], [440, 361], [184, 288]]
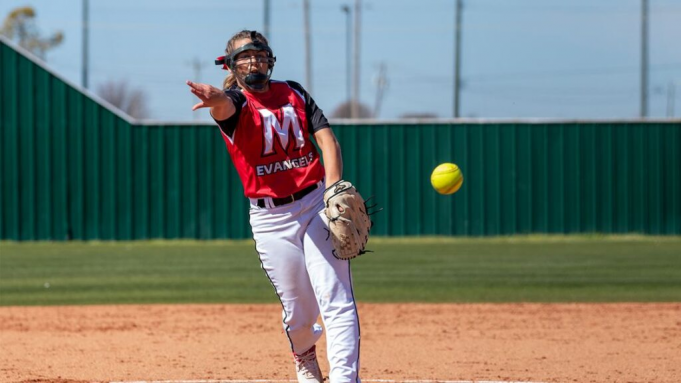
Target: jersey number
[[271, 125]]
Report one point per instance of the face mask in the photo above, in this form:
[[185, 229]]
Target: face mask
[[256, 81]]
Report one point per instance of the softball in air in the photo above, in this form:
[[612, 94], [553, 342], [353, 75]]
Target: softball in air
[[446, 178]]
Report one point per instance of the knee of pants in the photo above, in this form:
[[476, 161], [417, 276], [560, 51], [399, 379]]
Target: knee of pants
[[299, 320], [334, 299], [313, 328], [293, 327], [304, 338]]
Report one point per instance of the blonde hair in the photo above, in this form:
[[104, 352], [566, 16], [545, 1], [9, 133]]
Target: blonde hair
[[230, 80]]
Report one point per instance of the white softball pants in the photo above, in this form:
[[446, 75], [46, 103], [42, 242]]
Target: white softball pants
[[295, 252]]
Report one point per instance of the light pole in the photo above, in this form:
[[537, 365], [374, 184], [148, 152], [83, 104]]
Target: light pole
[[457, 59], [308, 46], [355, 74], [266, 26], [348, 39], [644, 58], [671, 99], [86, 31]]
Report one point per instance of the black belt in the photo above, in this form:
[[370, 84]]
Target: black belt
[[293, 197]]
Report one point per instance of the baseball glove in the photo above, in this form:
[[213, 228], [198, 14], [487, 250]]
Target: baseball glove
[[349, 223]]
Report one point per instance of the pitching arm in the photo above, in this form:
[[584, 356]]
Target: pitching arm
[[221, 106]]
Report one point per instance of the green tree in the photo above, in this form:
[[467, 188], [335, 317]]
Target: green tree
[[20, 26]]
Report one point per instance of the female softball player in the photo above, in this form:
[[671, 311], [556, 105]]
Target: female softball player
[[267, 126]]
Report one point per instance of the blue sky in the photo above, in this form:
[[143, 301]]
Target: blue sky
[[520, 59]]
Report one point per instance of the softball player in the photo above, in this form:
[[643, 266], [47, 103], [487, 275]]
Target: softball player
[[267, 126]]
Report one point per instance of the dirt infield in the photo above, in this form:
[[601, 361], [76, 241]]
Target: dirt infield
[[496, 342]]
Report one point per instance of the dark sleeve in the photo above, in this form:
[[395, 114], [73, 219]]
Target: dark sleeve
[[315, 116], [229, 125]]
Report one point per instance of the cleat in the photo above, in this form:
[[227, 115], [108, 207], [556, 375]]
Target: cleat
[[307, 367]]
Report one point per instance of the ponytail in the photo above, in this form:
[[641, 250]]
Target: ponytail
[[229, 81]]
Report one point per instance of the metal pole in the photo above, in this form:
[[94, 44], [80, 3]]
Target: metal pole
[[348, 40], [266, 26], [196, 65], [381, 85], [86, 31], [457, 58], [308, 47], [671, 99], [356, 75], [644, 58]]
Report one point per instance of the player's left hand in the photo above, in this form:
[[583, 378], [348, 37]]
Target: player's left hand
[[349, 223], [209, 95]]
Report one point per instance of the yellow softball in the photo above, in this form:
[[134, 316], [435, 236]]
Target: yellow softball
[[446, 178]]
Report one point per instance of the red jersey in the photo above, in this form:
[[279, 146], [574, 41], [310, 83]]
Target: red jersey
[[270, 145]]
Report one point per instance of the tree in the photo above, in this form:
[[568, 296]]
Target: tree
[[20, 26], [344, 110], [131, 101]]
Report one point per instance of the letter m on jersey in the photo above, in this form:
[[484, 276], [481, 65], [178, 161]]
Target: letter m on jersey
[[273, 128]]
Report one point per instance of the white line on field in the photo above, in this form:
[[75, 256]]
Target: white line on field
[[293, 381]]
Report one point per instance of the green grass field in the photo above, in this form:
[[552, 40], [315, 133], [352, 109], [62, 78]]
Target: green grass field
[[515, 269]]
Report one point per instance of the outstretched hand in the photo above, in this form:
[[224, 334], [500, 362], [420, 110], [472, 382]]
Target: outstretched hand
[[210, 96]]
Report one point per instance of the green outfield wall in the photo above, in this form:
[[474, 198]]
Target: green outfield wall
[[75, 168]]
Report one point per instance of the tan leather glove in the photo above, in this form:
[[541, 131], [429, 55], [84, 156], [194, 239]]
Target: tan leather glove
[[349, 223]]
